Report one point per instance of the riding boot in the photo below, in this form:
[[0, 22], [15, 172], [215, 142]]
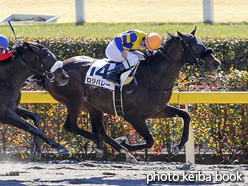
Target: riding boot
[[115, 74]]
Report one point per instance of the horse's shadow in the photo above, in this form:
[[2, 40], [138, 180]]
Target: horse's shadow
[[78, 181], [13, 182], [97, 181]]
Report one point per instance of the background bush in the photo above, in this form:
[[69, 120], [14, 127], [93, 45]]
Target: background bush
[[219, 129], [232, 52]]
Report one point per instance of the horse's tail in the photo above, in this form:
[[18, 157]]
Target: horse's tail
[[36, 81]]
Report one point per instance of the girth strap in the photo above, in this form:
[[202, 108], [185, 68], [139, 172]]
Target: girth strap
[[117, 101]]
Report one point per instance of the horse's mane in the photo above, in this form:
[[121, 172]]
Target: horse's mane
[[169, 39], [22, 46]]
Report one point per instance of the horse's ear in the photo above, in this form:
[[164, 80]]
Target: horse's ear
[[193, 32], [182, 36]]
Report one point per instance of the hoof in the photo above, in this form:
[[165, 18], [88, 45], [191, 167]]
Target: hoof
[[131, 159], [121, 140], [37, 155], [176, 150], [99, 153], [63, 150]]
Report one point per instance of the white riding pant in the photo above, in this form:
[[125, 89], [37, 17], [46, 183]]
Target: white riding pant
[[113, 53]]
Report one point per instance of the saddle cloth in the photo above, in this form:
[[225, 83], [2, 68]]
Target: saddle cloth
[[96, 75]]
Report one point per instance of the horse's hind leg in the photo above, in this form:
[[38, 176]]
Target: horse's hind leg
[[72, 126], [10, 117], [173, 112], [97, 122], [36, 119]]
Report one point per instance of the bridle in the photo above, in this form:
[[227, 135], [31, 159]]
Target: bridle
[[187, 51], [49, 74], [187, 47]]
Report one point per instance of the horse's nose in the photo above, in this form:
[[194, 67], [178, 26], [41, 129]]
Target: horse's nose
[[217, 63]]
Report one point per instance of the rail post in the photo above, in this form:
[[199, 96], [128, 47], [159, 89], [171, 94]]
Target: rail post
[[80, 12], [208, 11], [190, 145]]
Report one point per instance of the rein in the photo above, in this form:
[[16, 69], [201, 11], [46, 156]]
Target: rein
[[168, 57], [39, 72]]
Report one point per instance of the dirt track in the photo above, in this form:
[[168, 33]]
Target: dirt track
[[67, 172]]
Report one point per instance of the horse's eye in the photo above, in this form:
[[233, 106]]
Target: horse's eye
[[197, 47]]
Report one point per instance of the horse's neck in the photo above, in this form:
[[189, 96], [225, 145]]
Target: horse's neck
[[15, 73], [166, 73], [164, 70], [170, 66]]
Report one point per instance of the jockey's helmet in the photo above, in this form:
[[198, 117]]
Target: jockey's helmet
[[153, 41], [4, 43]]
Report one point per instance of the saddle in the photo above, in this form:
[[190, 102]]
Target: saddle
[[96, 75], [131, 74]]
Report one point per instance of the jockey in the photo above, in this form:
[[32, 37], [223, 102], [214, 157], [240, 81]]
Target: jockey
[[4, 44], [122, 48]]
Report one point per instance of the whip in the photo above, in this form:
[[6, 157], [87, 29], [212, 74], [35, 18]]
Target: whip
[[12, 29]]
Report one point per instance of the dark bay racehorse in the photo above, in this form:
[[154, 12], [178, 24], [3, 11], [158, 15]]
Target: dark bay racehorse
[[149, 99], [30, 58]]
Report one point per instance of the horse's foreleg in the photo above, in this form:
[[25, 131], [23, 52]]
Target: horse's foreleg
[[36, 119], [173, 112], [10, 117]]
